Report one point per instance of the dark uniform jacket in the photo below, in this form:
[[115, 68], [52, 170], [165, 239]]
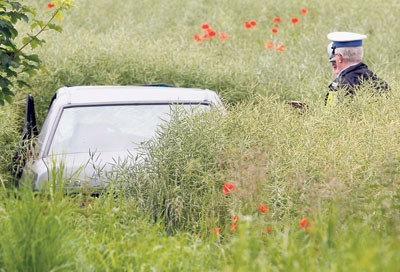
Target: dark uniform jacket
[[354, 76]]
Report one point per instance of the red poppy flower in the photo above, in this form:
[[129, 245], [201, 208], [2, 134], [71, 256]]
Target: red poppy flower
[[275, 30], [211, 32], [304, 11], [276, 20], [253, 22], [216, 231], [227, 188], [247, 24], [263, 208], [223, 36], [280, 47], [234, 223], [269, 45], [197, 38], [205, 36], [234, 226], [304, 223], [205, 26], [294, 20], [50, 5], [268, 230]]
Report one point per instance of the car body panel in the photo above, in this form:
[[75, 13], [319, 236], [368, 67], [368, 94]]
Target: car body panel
[[79, 166]]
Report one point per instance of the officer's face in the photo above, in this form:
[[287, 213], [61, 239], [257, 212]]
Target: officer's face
[[335, 69]]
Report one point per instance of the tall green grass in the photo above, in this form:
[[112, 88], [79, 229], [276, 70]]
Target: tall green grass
[[78, 234], [294, 161], [339, 168]]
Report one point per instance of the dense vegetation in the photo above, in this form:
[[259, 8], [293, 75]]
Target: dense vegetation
[[315, 190]]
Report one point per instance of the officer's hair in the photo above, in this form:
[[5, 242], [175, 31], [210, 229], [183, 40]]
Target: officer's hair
[[351, 54]]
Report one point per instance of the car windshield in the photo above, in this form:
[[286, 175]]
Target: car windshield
[[112, 128]]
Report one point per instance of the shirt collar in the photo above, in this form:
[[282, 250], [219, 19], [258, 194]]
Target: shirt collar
[[348, 68]]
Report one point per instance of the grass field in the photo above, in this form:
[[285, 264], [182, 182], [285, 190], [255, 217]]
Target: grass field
[[329, 177]]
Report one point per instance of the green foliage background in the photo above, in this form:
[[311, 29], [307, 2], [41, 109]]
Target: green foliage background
[[152, 42], [339, 167]]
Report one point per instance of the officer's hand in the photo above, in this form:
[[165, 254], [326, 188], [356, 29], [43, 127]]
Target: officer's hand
[[297, 104]]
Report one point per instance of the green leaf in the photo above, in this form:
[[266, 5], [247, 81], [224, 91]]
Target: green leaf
[[4, 82], [34, 58], [58, 15], [7, 29], [40, 23], [55, 27], [34, 25], [16, 16], [29, 69], [10, 44], [26, 40], [44, 69], [6, 32], [25, 18], [15, 5], [6, 21], [35, 42], [30, 10], [7, 92], [8, 98], [11, 73], [14, 32], [4, 59], [1, 98], [21, 83]]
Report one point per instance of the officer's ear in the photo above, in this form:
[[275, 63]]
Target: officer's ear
[[339, 58]]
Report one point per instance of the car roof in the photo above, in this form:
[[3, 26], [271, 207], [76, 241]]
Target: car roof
[[134, 94]]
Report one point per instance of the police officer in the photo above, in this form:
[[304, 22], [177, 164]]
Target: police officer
[[346, 55]]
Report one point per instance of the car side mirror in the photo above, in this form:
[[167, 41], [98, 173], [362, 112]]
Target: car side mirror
[[30, 127], [25, 146]]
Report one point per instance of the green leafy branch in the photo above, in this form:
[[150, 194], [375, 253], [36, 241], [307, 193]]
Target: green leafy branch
[[14, 62]]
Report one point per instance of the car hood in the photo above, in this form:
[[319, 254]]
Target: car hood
[[81, 170]]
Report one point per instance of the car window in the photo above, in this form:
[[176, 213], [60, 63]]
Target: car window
[[110, 128]]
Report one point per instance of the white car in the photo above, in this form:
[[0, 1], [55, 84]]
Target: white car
[[105, 122]]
